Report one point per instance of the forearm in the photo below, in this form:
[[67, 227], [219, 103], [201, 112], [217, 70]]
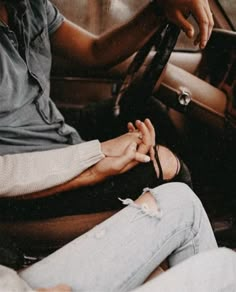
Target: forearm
[[32, 172], [110, 48], [124, 40], [86, 178]]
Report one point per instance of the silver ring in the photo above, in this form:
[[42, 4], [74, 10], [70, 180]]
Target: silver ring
[[140, 136]]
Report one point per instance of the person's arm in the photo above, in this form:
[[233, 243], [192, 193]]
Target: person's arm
[[114, 46], [121, 154], [108, 49], [31, 172], [108, 166], [48, 172]]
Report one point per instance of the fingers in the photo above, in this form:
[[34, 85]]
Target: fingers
[[205, 22], [141, 126], [145, 134], [130, 158], [151, 129], [142, 157], [211, 21], [147, 130], [129, 155], [177, 11], [131, 127], [184, 24], [147, 140], [202, 20]]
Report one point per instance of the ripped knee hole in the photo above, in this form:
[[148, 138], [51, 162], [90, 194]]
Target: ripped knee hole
[[146, 204]]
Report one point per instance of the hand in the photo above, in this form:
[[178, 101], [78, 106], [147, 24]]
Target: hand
[[148, 134], [116, 147], [126, 151], [178, 10], [110, 166]]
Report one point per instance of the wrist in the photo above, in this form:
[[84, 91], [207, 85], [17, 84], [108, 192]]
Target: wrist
[[105, 148]]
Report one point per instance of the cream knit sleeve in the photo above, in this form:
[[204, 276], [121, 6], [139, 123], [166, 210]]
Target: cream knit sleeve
[[30, 172]]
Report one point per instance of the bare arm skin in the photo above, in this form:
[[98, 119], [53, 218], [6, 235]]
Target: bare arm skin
[[108, 166], [87, 50], [108, 49]]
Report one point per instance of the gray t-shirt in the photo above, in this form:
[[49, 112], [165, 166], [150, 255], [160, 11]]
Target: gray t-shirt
[[29, 120]]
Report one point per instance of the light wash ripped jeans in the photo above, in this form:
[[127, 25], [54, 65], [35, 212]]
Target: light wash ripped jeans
[[120, 253]]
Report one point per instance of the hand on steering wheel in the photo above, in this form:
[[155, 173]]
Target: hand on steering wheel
[[177, 10]]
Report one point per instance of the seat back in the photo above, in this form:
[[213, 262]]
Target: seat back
[[44, 236]]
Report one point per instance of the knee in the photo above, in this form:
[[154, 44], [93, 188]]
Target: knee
[[168, 162], [147, 199], [171, 198], [173, 169], [177, 192], [178, 199]]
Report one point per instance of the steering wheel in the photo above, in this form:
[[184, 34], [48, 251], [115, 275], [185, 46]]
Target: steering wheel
[[164, 41]]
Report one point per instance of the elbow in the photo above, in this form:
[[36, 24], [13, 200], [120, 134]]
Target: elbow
[[101, 56]]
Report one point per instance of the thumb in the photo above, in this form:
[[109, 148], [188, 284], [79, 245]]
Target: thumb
[[142, 157], [128, 156], [132, 154]]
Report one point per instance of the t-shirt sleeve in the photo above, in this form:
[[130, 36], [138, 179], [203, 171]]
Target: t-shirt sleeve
[[55, 18], [26, 173]]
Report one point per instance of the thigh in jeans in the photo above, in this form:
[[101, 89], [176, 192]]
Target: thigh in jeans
[[119, 254], [97, 198]]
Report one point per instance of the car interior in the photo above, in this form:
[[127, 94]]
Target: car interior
[[197, 87]]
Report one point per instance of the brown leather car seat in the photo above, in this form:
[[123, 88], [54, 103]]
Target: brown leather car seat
[[45, 235]]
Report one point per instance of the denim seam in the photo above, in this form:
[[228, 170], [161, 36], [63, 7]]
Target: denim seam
[[131, 279], [196, 232]]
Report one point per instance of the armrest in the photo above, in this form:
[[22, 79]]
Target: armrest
[[208, 104]]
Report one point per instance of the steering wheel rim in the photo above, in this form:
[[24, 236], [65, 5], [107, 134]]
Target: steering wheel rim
[[164, 40]]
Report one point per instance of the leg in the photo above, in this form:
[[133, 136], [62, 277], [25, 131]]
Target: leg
[[118, 255], [213, 270], [97, 198], [170, 168]]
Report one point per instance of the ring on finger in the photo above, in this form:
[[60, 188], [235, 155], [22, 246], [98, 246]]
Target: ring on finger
[[140, 136]]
